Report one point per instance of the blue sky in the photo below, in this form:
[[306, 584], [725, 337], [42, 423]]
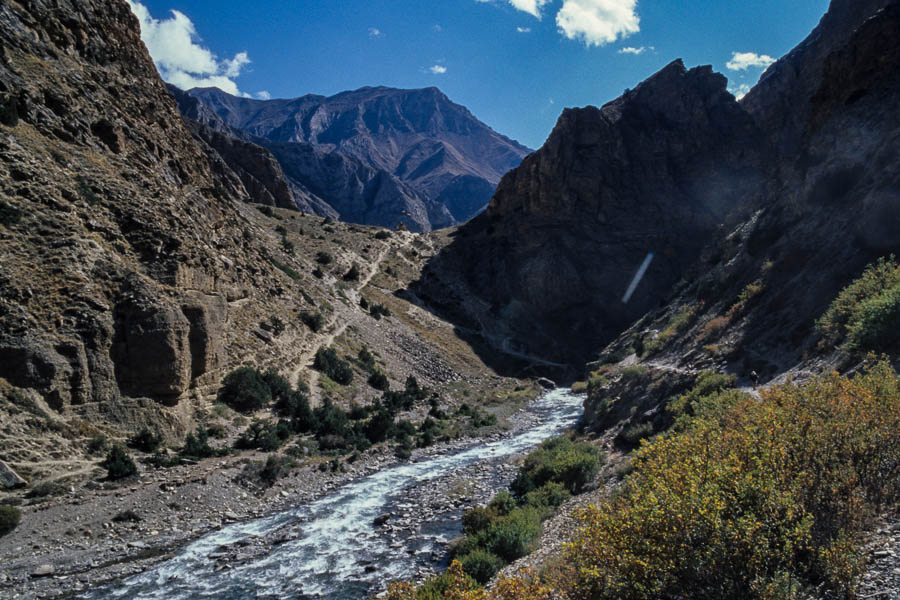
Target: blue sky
[[514, 63]]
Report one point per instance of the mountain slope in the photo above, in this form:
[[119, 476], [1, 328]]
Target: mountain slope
[[444, 163], [656, 171]]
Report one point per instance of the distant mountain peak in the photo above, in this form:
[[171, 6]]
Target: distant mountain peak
[[417, 137]]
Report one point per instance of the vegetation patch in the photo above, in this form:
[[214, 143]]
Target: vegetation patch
[[865, 314], [758, 499], [9, 519], [327, 361], [118, 464], [679, 322]]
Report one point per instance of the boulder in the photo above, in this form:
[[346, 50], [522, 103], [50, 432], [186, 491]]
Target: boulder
[[9, 479]]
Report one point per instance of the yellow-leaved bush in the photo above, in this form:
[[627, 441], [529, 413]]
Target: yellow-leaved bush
[[753, 498]]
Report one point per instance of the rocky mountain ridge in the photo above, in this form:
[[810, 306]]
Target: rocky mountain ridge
[[374, 155], [795, 182]]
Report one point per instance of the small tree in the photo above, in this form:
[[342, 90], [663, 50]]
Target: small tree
[[245, 390], [352, 274], [9, 519], [118, 464], [145, 441]]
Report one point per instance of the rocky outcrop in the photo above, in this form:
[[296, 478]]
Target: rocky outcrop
[[9, 479], [436, 164], [122, 235], [258, 170], [658, 171]]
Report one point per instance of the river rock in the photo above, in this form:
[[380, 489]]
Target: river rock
[[44, 571]]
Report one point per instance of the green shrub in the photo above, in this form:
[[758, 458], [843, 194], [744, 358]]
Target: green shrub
[[550, 495], [328, 362], [477, 519], [9, 519], [366, 360], [145, 441], [196, 445], [513, 536], [862, 313], [318, 273], [383, 235], [446, 585], [331, 420], [559, 460], [481, 565], [352, 274], [633, 434], [264, 435], [379, 310], [379, 381], [285, 269], [314, 320], [118, 464], [46, 489], [274, 469], [245, 390], [708, 386], [324, 258]]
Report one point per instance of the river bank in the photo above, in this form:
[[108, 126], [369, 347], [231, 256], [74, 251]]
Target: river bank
[[73, 544]]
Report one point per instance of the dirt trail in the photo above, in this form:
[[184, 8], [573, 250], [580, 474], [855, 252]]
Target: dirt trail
[[344, 316]]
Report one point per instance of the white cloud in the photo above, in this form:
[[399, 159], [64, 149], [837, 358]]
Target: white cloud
[[374, 33], [598, 22], [437, 28], [263, 95], [741, 61], [636, 51], [532, 7], [523, 29], [739, 91], [437, 69], [180, 59]]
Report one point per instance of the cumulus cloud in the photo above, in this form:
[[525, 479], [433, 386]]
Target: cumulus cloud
[[739, 91], [263, 95], [374, 33], [523, 29], [180, 58], [437, 69], [598, 22], [636, 51], [741, 61]]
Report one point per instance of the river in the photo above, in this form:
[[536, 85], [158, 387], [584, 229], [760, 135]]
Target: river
[[340, 555]]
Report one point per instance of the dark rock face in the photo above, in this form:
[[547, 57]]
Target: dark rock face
[[434, 163], [657, 171]]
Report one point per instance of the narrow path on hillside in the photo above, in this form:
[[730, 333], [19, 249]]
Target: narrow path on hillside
[[662, 366], [348, 314]]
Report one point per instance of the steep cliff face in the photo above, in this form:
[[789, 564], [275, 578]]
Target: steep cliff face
[[829, 108], [442, 163], [122, 241], [656, 171]]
